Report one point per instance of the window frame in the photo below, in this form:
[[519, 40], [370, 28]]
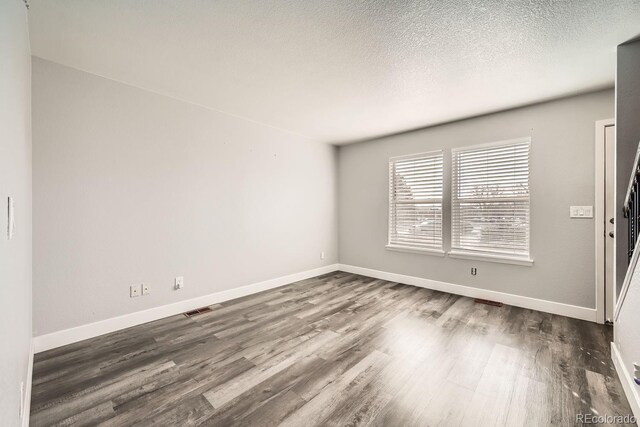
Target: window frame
[[482, 255], [437, 251]]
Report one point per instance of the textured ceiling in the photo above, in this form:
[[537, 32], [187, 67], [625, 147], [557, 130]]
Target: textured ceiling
[[336, 70]]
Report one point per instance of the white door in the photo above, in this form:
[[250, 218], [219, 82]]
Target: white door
[[609, 215]]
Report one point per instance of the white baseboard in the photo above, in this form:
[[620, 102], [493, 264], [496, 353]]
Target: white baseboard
[[79, 333], [582, 313], [629, 386], [26, 404]]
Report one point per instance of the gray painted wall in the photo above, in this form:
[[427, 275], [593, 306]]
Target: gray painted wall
[[627, 139], [627, 326], [15, 181], [132, 187], [562, 174]]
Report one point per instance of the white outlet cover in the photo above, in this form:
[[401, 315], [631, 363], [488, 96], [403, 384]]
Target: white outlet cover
[[134, 291], [146, 290]]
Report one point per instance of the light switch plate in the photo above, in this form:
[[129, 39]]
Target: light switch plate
[[179, 283], [10, 218], [581, 212], [22, 396]]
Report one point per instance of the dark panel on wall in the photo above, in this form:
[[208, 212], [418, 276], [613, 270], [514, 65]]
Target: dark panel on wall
[[628, 136]]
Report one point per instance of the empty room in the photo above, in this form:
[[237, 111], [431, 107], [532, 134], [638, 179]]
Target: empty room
[[319, 213]]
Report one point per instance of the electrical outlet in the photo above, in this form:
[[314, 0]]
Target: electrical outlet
[[179, 284], [134, 291], [322, 255], [474, 271], [146, 290]]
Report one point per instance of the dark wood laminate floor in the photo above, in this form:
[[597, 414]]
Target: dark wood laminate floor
[[339, 349]]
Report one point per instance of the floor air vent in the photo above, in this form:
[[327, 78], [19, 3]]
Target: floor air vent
[[489, 302], [197, 311]]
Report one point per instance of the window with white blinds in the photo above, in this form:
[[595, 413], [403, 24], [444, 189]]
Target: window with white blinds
[[415, 201], [490, 199]]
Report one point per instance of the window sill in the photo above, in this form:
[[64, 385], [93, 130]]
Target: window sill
[[435, 252], [491, 258]]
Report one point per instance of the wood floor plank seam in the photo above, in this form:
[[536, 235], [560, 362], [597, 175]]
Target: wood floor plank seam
[[337, 349]]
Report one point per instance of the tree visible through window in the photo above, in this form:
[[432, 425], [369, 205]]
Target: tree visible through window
[[490, 199], [415, 201]]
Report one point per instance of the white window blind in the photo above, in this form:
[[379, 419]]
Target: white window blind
[[415, 201], [490, 199]]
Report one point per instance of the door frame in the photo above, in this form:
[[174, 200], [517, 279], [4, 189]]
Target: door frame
[[600, 130]]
